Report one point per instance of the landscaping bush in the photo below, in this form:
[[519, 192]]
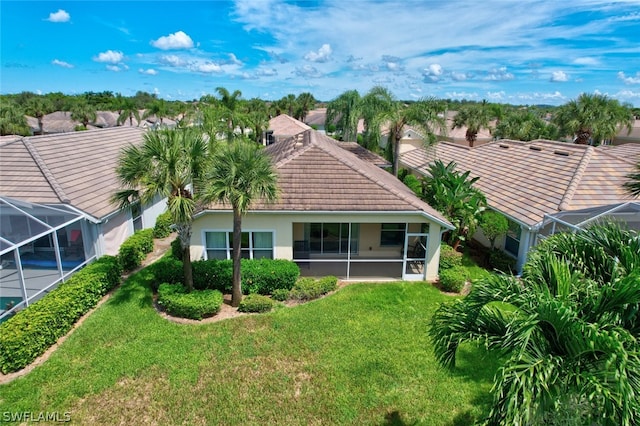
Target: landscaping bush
[[162, 228], [453, 279], [310, 288], [196, 305], [29, 333], [176, 249], [166, 270], [413, 183], [255, 303], [280, 294], [263, 276], [449, 258], [501, 261], [213, 275], [135, 248]]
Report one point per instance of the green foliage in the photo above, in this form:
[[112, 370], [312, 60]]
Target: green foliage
[[453, 279], [309, 288], [280, 294], [166, 270], [501, 261], [413, 183], [493, 225], [162, 228], [255, 303], [213, 274], [449, 257], [29, 333], [263, 276], [196, 304], [135, 249], [176, 249], [568, 330]]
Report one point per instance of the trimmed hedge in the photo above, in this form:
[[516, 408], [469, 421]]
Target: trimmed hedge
[[309, 288], [135, 249], [29, 333], [280, 294], [167, 269], [162, 228], [449, 258], [263, 276], [454, 279], [196, 305], [255, 303]]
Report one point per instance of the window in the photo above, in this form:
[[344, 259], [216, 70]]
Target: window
[[512, 240], [392, 234], [253, 244], [332, 237], [136, 215]]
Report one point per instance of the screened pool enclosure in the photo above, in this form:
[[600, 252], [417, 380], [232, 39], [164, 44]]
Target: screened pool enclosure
[[40, 247]]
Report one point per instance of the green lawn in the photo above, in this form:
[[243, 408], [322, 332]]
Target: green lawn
[[359, 356]]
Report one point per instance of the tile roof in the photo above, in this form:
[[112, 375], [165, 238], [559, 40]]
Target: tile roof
[[317, 174], [526, 180], [75, 168], [284, 125]]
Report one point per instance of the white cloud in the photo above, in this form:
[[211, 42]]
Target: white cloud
[[110, 56], [62, 64], [207, 68], [114, 68], [307, 71], [172, 60], [177, 40], [559, 76], [59, 16], [149, 71], [461, 95], [267, 72], [586, 61], [459, 76], [233, 60], [497, 96], [322, 55], [433, 73], [499, 74], [629, 79]]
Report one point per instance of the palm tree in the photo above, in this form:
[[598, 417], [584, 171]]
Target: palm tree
[[593, 118], [12, 120], [474, 117], [158, 109], [128, 110], [169, 164], [452, 193], [346, 109], [241, 173], [632, 186], [38, 107], [229, 103], [83, 112], [304, 103], [569, 331], [524, 126], [378, 101]]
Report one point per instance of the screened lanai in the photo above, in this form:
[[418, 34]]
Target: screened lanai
[[627, 214], [40, 247]]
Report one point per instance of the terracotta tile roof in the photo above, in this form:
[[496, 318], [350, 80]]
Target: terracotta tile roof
[[365, 154], [525, 180], [285, 126], [317, 174], [75, 168]]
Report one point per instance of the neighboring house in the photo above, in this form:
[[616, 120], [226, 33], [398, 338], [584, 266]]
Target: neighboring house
[[624, 136], [55, 206], [283, 127], [336, 214], [541, 186]]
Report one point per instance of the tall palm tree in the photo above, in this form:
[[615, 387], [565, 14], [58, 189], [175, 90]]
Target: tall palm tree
[[569, 331], [169, 164], [346, 109], [229, 103], [593, 118], [524, 126], [474, 117], [128, 110], [375, 104], [304, 103], [632, 186], [160, 109], [38, 107], [240, 174], [83, 112]]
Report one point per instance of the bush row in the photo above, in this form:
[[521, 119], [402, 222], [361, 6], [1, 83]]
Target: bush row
[[135, 249], [29, 333], [449, 257], [193, 305], [162, 228], [309, 288], [255, 303], [262, 276]]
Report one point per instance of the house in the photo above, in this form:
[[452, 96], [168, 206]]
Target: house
[[56, 213], [337, 214], [283, 126], [624, 136], [541, 186]]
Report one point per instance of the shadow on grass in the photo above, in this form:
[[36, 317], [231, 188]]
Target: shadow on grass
[[394, 418], [136, 287]]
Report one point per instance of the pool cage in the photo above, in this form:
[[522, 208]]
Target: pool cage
[[40, 247], [627, 214]]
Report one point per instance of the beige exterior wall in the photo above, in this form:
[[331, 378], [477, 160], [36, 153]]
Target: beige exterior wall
[[288, 227]]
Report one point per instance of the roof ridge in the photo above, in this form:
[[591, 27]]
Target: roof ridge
[[306, 145], [576, 178], [57, 188]]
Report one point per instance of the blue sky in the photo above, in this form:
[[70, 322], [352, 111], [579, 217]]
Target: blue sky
[[519, 52]]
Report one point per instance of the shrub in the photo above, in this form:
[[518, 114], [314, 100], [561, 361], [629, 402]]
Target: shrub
[[255, 303], [166, 270], [193, 305], [280, 294], [263, 276], [501, 261], [309, 288], [213, 275], [493, 225], [413, 183], [29, 333], [135, 248], [162, 229], [328, 284], [449, 258], [176, 249], [454, 279]]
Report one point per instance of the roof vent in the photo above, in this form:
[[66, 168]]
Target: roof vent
[[563, 153], [535, 148], [504, 145]]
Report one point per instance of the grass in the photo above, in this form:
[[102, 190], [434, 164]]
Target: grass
[[360, 356]]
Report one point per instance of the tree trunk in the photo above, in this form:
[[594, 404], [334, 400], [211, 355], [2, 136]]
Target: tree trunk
[[236, 292], [396, 153], [184, 235]]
